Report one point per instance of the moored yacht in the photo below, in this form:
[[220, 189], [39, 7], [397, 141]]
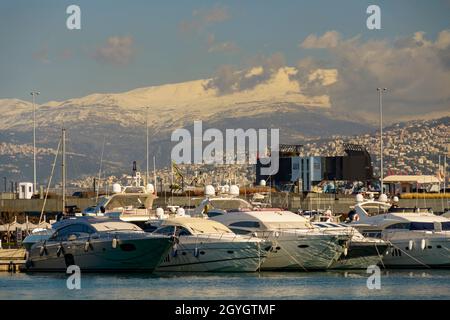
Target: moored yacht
[[206, 245], [296, 243], [418, 238], [98, 244], [361, 252]]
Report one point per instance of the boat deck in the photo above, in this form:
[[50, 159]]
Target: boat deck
[[11, 260]]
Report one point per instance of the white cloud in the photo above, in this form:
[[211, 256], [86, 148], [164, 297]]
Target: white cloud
[[415, 69], [201, 18], [228, 79], [227, 46], [117, 50], [330, 39]]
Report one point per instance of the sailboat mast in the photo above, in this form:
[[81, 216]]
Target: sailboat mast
[[63, 170]]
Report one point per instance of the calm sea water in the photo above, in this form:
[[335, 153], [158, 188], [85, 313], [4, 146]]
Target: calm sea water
[[402, 284]]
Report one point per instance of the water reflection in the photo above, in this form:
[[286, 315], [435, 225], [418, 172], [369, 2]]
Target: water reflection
[[401, 284]]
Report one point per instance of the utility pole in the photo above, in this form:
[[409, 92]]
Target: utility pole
[[445, 173], [63, 171], [154, 174], [380, 94], [439, 173], [33, 95], [146, 127]]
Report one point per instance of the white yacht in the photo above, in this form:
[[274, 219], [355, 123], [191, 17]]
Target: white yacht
[[130, 204], [418, 238], [98, 244], [361, 252], [296, 243], [205, 245]]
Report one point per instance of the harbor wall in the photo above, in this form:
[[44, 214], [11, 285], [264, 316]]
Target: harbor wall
[[291, 201]]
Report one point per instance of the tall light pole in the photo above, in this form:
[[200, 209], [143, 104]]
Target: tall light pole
[[63, 170], [146, 127], [380, 95], [33, 95]]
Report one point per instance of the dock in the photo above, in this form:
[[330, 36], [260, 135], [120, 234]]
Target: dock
[[11, 260]]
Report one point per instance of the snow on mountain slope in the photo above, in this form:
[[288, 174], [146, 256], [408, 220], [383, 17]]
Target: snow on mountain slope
[[171, 104]]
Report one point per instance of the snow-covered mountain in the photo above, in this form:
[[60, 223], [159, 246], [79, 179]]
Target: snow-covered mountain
[[276, 102], [169, 105]]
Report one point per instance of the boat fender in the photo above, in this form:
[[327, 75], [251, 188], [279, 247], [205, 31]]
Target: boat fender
[[59, 250], [43, 250], [174, 250], [345, 251], [114, 243], [410, 245], [87, 246], [196, 252], [423, 244]]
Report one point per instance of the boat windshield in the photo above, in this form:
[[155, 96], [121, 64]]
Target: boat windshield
[[204, 227], [209, 228], [115, 226], [127, 200], [287, 225], [230, 204]]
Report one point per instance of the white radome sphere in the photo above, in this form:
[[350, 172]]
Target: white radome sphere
[[209, 190], [262, 183], [117, 188], [180, 212], [395, 199], [383, 198], [359, 197], [150, 188], [160, 212], [234, 190]]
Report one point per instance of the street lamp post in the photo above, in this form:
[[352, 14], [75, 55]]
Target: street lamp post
[[33, 95], [146, 149], [380, 95]]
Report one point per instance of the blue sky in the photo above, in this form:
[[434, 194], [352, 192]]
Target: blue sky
[[37, 51]]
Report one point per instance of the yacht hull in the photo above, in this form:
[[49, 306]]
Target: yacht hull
[[361, 254], [292, 251], [435, 254], [207, 255], [131, 255]]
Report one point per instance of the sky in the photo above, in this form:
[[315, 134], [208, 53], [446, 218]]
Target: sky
[[124, 45]]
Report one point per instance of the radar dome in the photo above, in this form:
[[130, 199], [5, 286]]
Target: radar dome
[[117, 188], [383, 198], [234, 190], [262, 183], [209, 190], [180, 212], [160, 213], [359, 197], [395, 199], [150, 188]]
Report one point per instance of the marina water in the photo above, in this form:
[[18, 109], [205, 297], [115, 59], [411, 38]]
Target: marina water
[[347, 285]]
